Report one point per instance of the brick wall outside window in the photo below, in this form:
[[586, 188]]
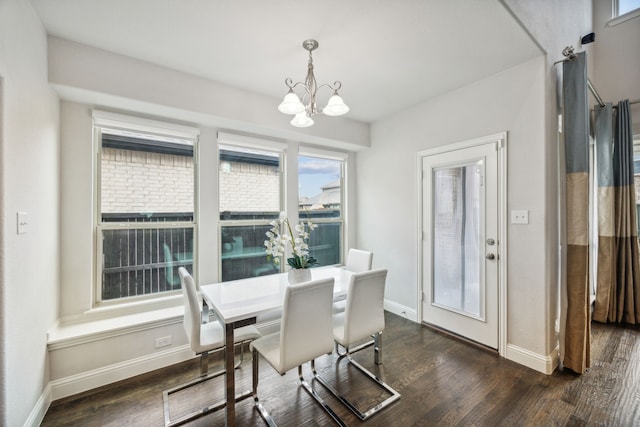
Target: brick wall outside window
[[249, 187], [138, 181]]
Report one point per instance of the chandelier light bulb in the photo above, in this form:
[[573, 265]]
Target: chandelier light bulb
[[335, 106], [304, 112], [291, 104], [301, 120]]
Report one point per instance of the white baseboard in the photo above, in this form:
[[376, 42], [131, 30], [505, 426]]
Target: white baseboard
[[40, 409], [401, 310], [545, 364], [84, 381]]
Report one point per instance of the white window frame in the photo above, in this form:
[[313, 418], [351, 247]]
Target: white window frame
[[114, 121], [616, 18], [305, 151], [249, 142]]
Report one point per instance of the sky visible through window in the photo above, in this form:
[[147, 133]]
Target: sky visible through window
[[625, 6], [314, 172]]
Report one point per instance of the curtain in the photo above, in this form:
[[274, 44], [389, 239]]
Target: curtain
[[618, 280], [577, 330]]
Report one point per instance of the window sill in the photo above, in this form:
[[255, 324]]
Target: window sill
[[103, 323], [623, 18]]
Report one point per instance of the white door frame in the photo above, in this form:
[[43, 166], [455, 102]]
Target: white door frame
[[501, 140]]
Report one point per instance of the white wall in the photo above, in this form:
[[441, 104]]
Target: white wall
[[617, 59], [84, 74], [29, 168], [511, 101], [554, 25]]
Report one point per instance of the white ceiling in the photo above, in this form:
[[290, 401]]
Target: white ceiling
[[388, 54]]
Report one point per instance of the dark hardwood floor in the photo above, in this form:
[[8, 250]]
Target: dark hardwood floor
[[443, 382]]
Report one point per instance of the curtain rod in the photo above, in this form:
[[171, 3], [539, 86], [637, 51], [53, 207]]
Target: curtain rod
[[568, 52], [597, 97], [595, 93]]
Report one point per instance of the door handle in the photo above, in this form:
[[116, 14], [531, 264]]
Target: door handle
[[490, 256]]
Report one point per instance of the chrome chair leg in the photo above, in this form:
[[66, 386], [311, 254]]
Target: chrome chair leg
[[204, 376], [303, 382], [204, 363], [168, 422], [377, 349], [256, 401], [316, 396], [362, 415]]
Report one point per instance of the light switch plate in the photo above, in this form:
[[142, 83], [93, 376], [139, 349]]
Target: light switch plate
[[23, 222], [520, 217]]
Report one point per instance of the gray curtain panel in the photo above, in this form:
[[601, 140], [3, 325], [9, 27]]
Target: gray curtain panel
[[577, 336], [618, 282]]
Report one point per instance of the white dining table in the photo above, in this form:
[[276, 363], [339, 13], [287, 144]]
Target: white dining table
[[238, 303]]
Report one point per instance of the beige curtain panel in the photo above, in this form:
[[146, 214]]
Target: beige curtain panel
[[577, 333], [618, 280]]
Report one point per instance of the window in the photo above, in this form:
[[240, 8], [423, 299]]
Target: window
[[250, 196], [320, 195], [622, 7], [145, 206], [624, 10]]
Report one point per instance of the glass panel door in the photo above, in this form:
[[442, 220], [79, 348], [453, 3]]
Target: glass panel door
[[460, 241], [456, 238]]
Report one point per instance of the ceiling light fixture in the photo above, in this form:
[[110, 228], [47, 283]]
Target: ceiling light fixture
[[304, 112]]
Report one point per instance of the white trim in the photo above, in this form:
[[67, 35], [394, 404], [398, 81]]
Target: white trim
[[401, 310], [226, 138], [70, 335], [189, 136], [326, 154], [36, 416], [538, 362], [623, 18], [500, 139], [89, 380], [503, 222], [131, 123]]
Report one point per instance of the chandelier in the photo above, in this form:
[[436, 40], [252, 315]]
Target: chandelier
[[304, 109]]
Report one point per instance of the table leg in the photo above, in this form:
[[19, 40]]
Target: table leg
[[230, 376]]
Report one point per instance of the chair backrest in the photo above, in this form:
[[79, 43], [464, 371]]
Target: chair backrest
[[359, 260], [192, 314], [306, 330], [364, 310]]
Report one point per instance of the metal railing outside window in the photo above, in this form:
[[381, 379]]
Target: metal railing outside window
[[145, 206], [144, 259]]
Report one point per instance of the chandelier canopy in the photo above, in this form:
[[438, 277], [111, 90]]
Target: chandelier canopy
[[305, 108]]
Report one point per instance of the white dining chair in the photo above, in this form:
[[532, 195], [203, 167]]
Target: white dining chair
[[358, 260], [363, 317], [204, 338], [305, 334]]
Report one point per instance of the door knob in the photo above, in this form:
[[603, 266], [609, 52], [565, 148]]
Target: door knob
[[490, 256]]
